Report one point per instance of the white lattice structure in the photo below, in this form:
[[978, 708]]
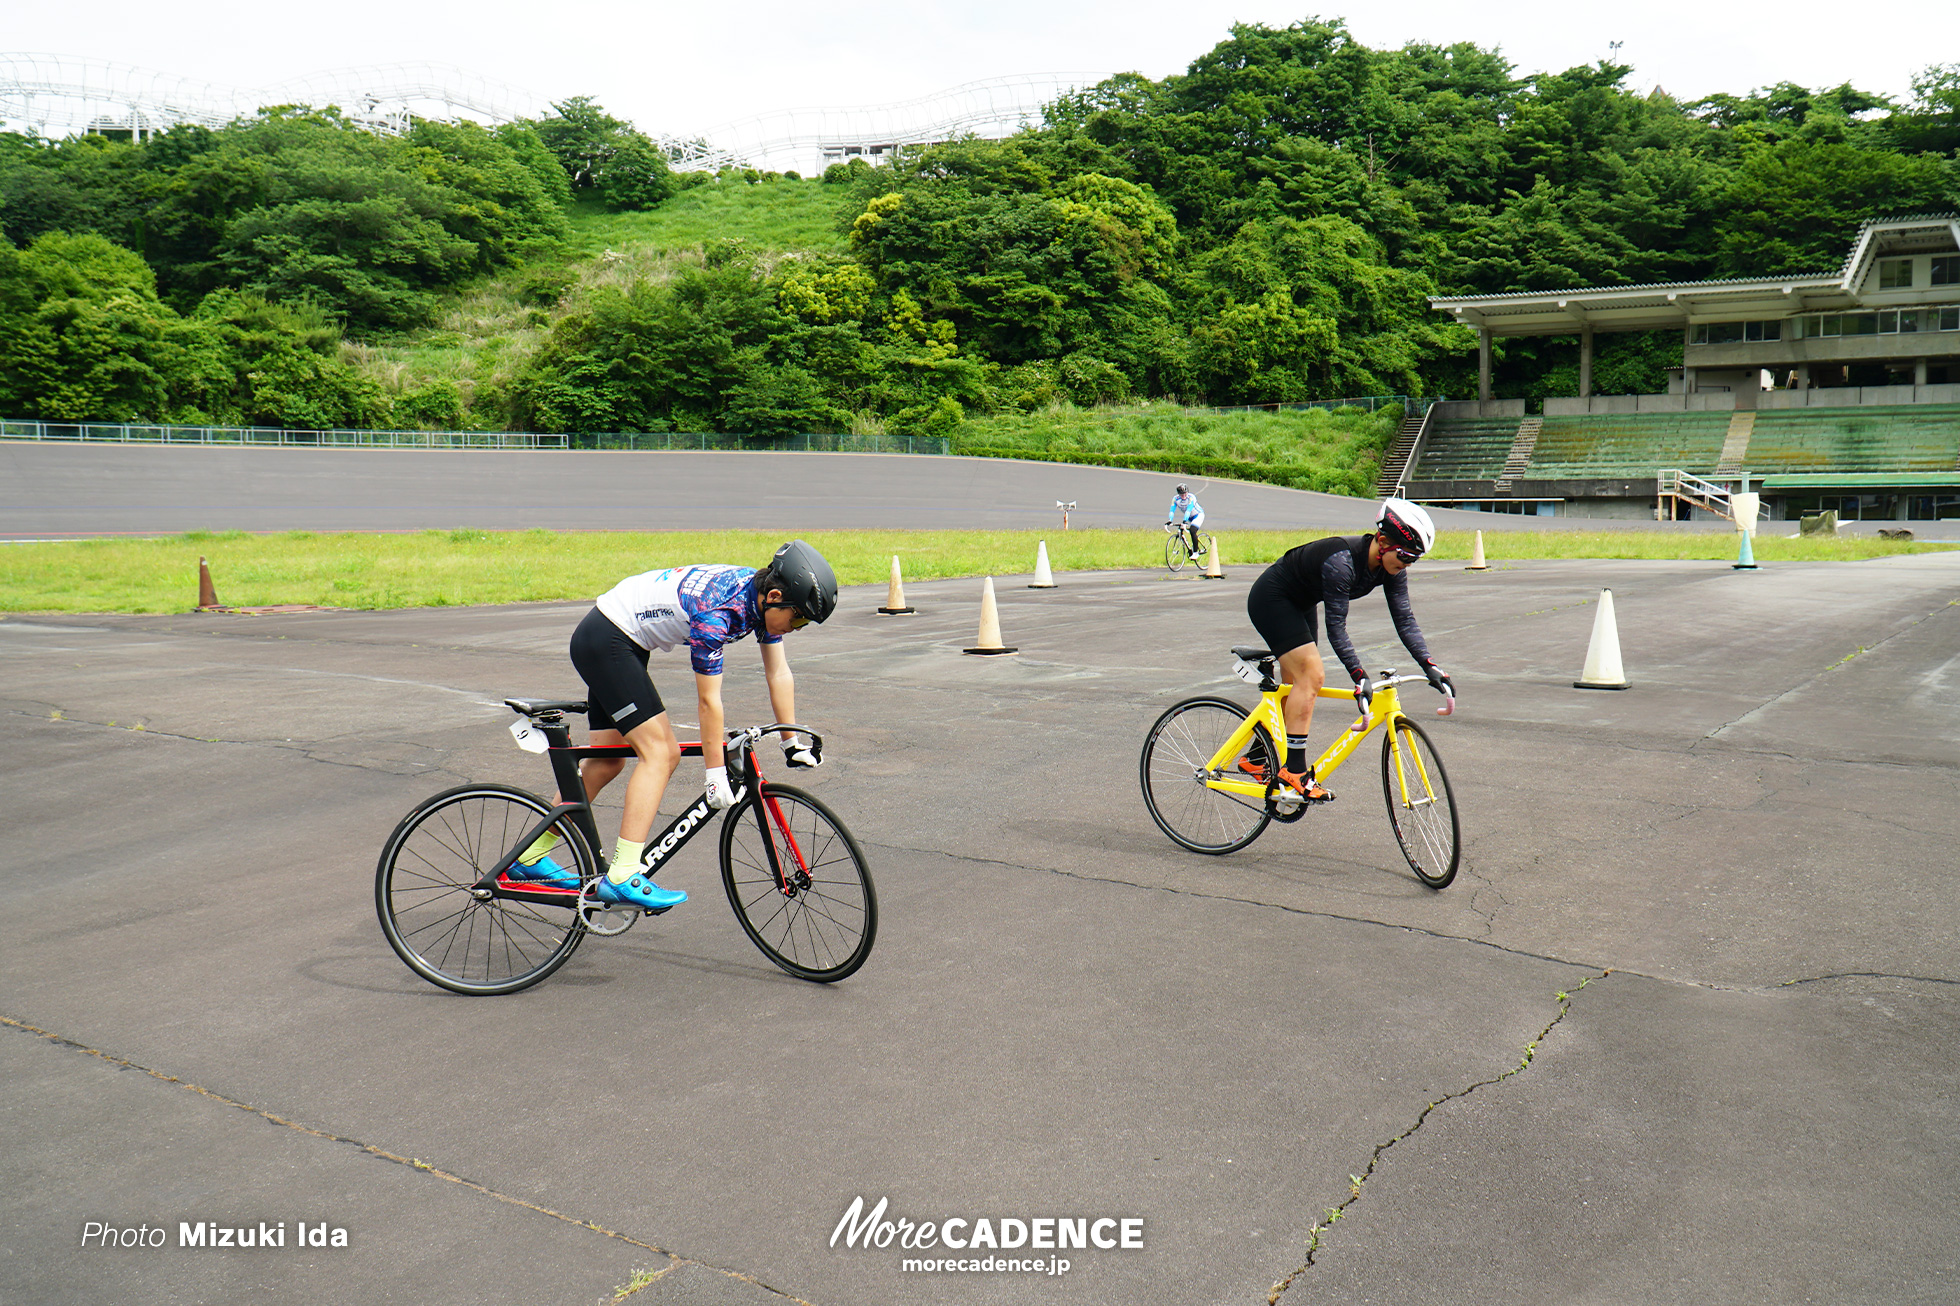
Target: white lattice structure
[[55, 95], [810, 139]]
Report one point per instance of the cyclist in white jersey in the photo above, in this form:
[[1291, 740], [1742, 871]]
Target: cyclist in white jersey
[[1188, 516], [706, 608]]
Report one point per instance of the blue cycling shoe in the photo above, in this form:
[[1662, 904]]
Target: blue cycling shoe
[[545, 872], [638, 892]]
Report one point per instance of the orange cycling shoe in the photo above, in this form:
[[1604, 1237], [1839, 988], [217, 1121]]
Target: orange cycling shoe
[[1303, 785]]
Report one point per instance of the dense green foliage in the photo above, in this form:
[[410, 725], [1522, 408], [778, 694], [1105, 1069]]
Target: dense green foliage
[[1336, 452], [1263, 228]]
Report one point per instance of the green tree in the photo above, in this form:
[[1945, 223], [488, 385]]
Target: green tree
[[1793, 207], [605, 157]]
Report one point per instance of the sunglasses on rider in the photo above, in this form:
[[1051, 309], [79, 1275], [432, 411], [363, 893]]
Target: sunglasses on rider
[[797, 622], [1406, 556]]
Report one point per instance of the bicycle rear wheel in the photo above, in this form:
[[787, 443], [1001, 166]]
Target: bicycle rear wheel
[[1421, 807], [453, 934], [1172, 771], [1174, 555], [819, 919]]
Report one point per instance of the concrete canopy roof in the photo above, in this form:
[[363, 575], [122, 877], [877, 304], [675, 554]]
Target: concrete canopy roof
[[1661, 305]]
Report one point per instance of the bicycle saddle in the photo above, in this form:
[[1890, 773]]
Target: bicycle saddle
[[1248, 653], [539, 706]]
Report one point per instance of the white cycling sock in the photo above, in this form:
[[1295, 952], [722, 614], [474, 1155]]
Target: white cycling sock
[[626, 861]]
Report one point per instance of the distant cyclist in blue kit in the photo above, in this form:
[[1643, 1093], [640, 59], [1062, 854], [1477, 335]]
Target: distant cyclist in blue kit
[[706, 608], [1186, 513]]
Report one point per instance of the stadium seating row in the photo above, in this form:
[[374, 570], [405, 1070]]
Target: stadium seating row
[[1915, 438]]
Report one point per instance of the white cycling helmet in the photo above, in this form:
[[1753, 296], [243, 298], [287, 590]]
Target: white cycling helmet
[[1404, 525]]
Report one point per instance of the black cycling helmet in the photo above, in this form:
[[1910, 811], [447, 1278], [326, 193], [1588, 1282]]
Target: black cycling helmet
[[1182, 490], [806, 580]]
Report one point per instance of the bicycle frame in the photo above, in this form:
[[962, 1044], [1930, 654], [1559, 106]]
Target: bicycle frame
[[565, 760], [1222, 776]]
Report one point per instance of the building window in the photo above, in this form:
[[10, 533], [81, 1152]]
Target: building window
[[1729, 333], [1895, 274], [1946, 271], [1949, 319]]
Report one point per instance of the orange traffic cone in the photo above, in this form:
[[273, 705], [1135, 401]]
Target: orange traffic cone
[[207, 593]]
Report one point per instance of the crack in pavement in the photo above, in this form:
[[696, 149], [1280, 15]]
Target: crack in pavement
[[311, 752], [1272, 906], [1868, 974], [675, 1259], [1356, 1182], [1848, 658]]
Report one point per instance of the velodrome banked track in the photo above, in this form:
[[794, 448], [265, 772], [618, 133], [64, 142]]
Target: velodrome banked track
[[1683, 1030], [50, 491]]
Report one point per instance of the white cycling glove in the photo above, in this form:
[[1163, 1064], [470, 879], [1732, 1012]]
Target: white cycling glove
[[719, 794], [800, 757]]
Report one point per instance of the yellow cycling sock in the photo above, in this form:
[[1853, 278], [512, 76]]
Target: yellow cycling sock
[[625, 862], [541, 845]]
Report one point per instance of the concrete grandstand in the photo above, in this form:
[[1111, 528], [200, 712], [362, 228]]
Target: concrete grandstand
[[1834, 392]]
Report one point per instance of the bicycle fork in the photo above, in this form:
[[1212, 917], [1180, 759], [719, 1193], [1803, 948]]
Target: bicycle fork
[[790, 883]]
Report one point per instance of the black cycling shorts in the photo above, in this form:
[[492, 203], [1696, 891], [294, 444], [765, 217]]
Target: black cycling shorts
[[1281, 622], [619, 695]]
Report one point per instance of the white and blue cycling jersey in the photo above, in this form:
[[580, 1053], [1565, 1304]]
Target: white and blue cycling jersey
[[704, 607], [1185, 509]]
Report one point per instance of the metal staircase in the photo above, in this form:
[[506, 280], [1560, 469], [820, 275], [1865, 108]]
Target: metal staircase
[[1520, 457], [1678, 486], [1401, 454]]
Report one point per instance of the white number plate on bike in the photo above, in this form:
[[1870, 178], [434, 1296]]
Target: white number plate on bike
[[1245, 671], [531, 741]]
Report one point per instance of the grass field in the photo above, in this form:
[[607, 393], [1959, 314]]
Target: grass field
[[451, 568]]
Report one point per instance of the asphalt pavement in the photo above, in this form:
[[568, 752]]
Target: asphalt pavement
[[1682, 1031]]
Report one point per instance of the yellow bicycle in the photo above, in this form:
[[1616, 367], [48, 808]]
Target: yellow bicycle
[[1210, 769]]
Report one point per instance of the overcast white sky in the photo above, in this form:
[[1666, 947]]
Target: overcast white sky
[[680, 67]]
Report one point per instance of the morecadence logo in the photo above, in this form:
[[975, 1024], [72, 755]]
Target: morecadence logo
[[981, 1237]]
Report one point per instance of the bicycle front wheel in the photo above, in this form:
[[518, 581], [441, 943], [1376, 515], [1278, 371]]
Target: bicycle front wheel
[[1421, 807], [799, 884], [451, 933], [1174, 556], [1173, 770]]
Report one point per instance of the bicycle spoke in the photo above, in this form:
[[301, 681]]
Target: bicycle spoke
[[1175, 764], [447, 930], [823, 927], [1421, 808]]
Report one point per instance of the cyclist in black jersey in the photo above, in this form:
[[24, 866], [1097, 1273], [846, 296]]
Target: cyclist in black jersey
[[1331, 573]]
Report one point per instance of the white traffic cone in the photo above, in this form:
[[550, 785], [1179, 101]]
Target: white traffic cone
[[1603, 669], [895, 594], [989, 625], [1212, 570], [1477, 562], [1044, 579]]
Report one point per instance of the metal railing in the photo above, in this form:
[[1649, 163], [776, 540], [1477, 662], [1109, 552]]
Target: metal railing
[[1675, 484], [717, 441], [1411, 404], [143, 433], [271, 436]]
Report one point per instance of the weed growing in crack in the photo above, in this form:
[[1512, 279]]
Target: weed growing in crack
[[1355, 1181]]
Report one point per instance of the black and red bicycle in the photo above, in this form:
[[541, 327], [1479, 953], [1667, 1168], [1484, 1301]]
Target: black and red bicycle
[[453, 909]]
